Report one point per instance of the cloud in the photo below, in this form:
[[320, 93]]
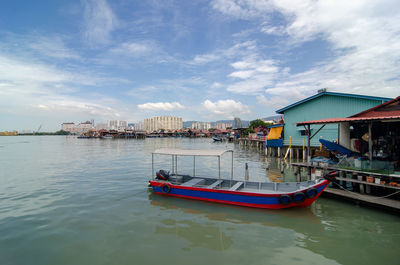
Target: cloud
[[52, 47], [243, 9], [238, 50], [166, 106], [255, 76], [20, 71], [205, 58], [216, 85], [134, 49], [31, 88], [362, 38], [228, 108], [99, 20], [273, 102], [73, 106]]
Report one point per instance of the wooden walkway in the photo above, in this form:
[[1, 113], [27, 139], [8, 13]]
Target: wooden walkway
[[378, 202], [359, 178]]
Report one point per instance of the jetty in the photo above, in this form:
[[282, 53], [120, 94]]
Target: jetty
[[380, 190]]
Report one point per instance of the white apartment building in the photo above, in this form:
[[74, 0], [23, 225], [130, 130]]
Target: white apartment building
[[101, 126], [68, 126], [117, 125], [201, 125], [77, 129], [223, 126], [162, 122], [139, 126]]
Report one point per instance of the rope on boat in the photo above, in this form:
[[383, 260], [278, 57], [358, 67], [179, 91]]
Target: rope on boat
[[377, 197]]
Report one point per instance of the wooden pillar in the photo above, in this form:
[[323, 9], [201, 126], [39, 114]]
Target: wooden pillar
[[308, 144], [353, 176], [343, 174], [360, 177], [368, 189], [370, 140]]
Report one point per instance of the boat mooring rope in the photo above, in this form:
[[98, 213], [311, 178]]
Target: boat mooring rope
[[377, 197]]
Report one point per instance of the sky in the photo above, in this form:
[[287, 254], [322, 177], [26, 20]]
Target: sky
[[73, 61]]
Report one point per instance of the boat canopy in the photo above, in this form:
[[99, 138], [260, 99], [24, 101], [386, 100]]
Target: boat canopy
[[190, 152]]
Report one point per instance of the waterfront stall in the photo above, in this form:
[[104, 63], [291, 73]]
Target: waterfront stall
[[322, 106], [373, 137]]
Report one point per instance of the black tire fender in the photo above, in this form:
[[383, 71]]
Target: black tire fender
[[285, 199], [166, 188], [299, 197], [311, 193]]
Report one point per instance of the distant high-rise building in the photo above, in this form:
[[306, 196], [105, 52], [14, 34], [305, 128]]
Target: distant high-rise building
[[139, 126], [201, 125], [136, 126], [162, 122], [77, 129], [101, 126], [237, 123], [222, 126], [117, 125], [68, 126]]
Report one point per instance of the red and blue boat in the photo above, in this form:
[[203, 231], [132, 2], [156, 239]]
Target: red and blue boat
[[268, 195]]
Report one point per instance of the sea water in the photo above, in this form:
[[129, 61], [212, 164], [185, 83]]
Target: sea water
[[65, 200]]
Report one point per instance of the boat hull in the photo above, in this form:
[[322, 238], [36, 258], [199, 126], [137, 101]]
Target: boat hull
[[248, 199]]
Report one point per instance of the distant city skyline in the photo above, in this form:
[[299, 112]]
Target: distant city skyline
[[210, 60]]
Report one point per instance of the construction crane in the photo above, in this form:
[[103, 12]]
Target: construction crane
[[40, 127]]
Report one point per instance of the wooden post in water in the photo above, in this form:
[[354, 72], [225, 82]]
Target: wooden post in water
[[370, 140], [308, 144], [360, 177], [368, 188]]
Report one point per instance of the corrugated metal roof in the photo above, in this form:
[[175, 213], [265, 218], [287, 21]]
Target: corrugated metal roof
[[386, 111], [352, 119], [281, 111], [192, 152]]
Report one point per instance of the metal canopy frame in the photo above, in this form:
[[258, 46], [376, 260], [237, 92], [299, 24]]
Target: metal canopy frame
[[309, 137], [174, 153]]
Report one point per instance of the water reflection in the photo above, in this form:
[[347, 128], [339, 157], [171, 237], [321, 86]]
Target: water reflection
[[199, 235], [342, 234], [214, 233]]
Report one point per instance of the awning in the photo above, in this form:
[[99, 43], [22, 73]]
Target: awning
[[191, 152], [351, 119], [275, 133]]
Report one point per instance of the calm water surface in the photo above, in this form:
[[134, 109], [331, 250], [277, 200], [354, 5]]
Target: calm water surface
[[65, 200]]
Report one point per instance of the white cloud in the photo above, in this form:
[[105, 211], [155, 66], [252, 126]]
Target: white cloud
[[81, 107], [205, 58], [363, 36], [243, 74], [273, 102], [51, 47], [16, 71], [166, 106], [255, 75], [241, 49], [100, 21], [134, 49], [242, 8], [33, 89], [227, 108], [216, 85]]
